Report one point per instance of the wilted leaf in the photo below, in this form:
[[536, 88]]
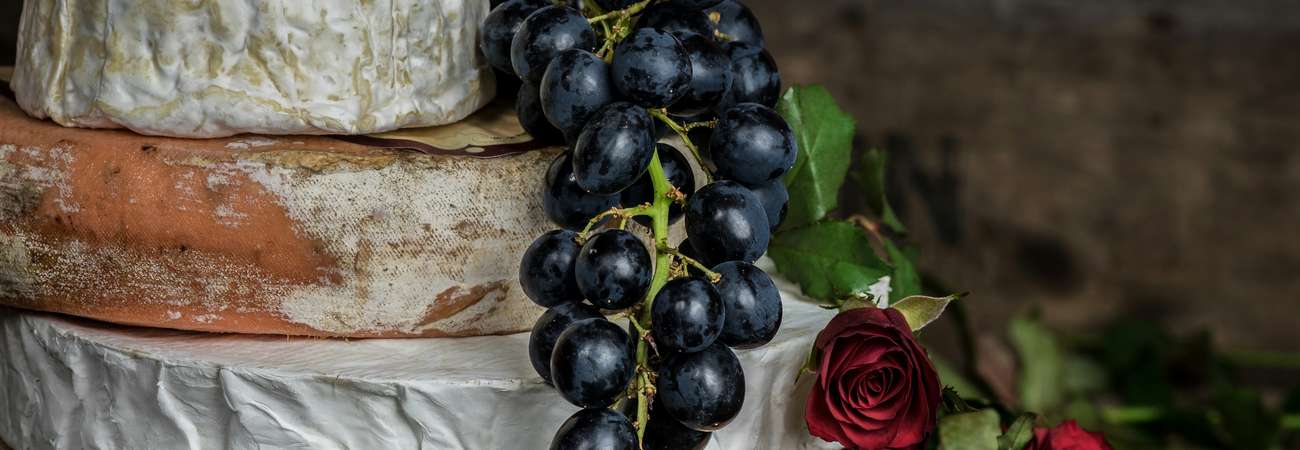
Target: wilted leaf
[[1019, 433], [825, 137], [920, 310], [828, 260], [1042, 366], [977, 430]]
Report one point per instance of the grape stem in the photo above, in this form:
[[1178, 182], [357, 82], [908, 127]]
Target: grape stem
[[625, 12], [662, 115], [622, 213], [713, 276], [658, 213]]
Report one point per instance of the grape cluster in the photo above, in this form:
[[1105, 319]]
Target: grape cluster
[[610, 79]]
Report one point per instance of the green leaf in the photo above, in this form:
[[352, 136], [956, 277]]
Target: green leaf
[[952, 379], [1042, 366], [872, 178], [1241, 420], [977, 430], [920, 310], [828, 260], [904, 281], [824, 135], [1019, 433]]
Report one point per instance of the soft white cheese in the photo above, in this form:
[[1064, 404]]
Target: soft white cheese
[[217, 68]]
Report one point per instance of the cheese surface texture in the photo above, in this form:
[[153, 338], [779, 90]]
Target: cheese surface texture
[[219, 68]]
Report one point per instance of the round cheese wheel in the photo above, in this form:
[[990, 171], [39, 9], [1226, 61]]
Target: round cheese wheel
[[416, 233]]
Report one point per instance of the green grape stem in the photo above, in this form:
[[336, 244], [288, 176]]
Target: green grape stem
[[658, 213], [713, 276], [681, 131], [622, 13]]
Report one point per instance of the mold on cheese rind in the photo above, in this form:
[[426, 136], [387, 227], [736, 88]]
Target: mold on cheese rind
[[222, 68]]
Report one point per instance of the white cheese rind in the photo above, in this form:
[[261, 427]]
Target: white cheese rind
[[220, 68]]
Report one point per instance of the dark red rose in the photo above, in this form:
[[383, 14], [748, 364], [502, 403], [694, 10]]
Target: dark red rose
[[875, 387], [1067, 436]]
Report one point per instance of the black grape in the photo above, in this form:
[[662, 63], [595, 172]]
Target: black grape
[[703, 390], [711, 75], [613, 269], [726, 222], [596, 429], [566, 203], [775, 199], [663, 432], [547, 330], [687, 315], [499, 29], [574, 87], [651, 68], [676, 20], [542, 35], [546, 270], [752, 144], [755, 78], [614, 148], [590, 365], [679, 174], [738, 22], [752, 303], [528, 107]]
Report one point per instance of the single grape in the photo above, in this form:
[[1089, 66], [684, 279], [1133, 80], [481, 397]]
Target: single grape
[[546, 270], [590, 365], [711, 74], [651, 68], [614, 148], [737, 22], [543, 34], [752, 144], [547, 330], [775, 199], [575, 86], [663, 432], [614, 5], [499, 29], [725, 222], [676, 20], [752, 304], [702, 390], [613, 269], [687, 315], [755, 78], [566, 203], [596, 429], [679, 174], [528, 107]]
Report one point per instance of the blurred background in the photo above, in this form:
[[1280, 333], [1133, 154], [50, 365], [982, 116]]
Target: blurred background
[[1091, 160]]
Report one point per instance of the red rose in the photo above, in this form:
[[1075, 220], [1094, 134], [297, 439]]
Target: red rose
[[875, 387], [1067, 436]]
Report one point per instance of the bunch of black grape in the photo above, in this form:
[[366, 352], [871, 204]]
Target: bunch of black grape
[[609, 78]]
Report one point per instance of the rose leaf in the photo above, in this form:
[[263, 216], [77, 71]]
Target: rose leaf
[[920, 310], [828, 260], [905, 281], [977, 430], [824, 135], [872, 178], [1019, 433], [1042, 365]]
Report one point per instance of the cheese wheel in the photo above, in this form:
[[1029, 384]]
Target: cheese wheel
[[220, 68], [383, 236]]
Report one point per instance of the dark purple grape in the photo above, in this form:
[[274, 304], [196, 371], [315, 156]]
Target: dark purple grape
[[590, 365], [676, 20], [614, 148], [614, 5], [546, 271], [703, 390], [688, 250], [755, 78], [663, 432], [528, 107], [687, 315], [499, 30], [752, 144], [566, 203], [545, 33], [596, 429], [651, 68], [547, 330], [726, 222], [711, 74], [738, 22], [613, 269], [752, 302], [679, 174], [775, 199], [575, 86]]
